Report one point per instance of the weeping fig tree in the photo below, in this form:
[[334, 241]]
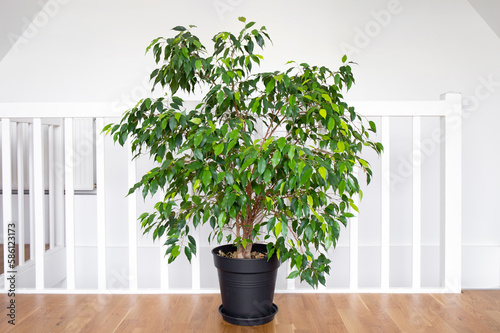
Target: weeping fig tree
[[265, 156]]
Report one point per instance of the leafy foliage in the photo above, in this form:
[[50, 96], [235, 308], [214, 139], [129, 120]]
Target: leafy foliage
[[265, 156]]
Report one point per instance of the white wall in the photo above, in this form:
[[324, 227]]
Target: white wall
[[94, 51]]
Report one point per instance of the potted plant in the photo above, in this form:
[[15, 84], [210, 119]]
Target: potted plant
[[222, 163]]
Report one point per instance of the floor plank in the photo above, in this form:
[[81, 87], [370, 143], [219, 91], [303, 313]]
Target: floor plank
[[470, 311]]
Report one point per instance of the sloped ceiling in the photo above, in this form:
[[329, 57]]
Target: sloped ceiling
[[490, 12], [15, 17]]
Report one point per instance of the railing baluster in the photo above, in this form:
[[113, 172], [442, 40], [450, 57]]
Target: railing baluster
[[69, 203], [164, 283], [101, 207], [59, 184], [451, 227], [50, 164], [385, 209], [31, 192], [39, 195], [6, 196], [354, 250], [290, 283], [417, 203], [132, 221], [196, 264], [20, 192]]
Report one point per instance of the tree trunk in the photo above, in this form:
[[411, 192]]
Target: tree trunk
[[241, 253]]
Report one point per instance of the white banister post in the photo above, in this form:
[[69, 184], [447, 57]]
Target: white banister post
[[101, 206], [39, 197], [6, 197], [20, 192], [132, 220], [52, 198], [69, 203], [196, 263], [164, 278], [59, 184], [451, 227], [31, 191], [354, 248], [385, 209], [417, 203]]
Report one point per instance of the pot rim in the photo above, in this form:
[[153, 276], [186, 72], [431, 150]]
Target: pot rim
[[215, 251]]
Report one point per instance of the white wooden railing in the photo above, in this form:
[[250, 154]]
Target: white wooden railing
[[51, 218]]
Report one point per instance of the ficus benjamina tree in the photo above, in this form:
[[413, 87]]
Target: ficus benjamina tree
[[268, 156]]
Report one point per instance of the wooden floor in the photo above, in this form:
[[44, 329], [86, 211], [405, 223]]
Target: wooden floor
[[471, 311]]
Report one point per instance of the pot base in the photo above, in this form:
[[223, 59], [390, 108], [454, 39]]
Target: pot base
[[249, 321]]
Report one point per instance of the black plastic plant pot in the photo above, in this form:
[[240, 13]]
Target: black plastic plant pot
[[247, 287]]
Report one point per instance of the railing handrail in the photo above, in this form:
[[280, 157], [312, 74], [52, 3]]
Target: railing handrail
[[369, 108]]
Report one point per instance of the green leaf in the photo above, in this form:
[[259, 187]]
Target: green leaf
[[242, 19], [344, 58], [172, 123], [341, 187], [322, 172], [229, 178], [270, 86], [198, 154], [310, 201], [306, 176], [197, 64], [247, 163], [218, 149], [276, 158], [267, 176], [293, 275], [328, 242], [261, 167], [298, 261], [331, 124], [196, 121], [322, 112], [206, 177], [197, 140], [226, 78], [281, 143], [341, 146], [309, 233], [221, 221], [196, 184], [187, 252], [192, 240], [291, 152], [231, 144], [220, 97], [179, 28], [277, 228], [220, 176]]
